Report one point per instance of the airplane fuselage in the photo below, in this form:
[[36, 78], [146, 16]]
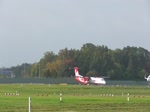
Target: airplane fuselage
[[83, 80], [97, 80]]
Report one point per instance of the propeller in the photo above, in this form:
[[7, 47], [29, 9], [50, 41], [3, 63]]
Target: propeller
[[105, 77]]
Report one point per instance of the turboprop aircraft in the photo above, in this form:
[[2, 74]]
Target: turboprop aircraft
[[147, 78], [86, 80]]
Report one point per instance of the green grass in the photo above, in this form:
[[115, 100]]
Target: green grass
[[76, 98]]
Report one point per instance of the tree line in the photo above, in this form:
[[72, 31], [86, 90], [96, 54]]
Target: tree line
[[129, 63]]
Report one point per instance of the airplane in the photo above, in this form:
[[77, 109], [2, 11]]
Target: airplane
[[86, 80], [147, 78]]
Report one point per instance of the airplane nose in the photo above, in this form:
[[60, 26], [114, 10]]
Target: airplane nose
[[104, 82]]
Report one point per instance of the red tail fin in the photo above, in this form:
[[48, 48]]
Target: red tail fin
[[77, 72]]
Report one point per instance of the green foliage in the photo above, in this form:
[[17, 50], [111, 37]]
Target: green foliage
[[92, 73], [130, 63]]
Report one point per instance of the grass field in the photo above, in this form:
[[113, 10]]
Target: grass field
[[75, 98]]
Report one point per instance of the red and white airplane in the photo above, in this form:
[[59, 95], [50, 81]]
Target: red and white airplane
[[86, 80]]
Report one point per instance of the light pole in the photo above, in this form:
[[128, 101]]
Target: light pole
[[39, 71], [24, 70]]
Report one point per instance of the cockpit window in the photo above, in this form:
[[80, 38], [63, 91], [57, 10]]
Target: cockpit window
[[102, 79]]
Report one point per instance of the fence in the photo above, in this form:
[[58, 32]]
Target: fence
[[64, 80]]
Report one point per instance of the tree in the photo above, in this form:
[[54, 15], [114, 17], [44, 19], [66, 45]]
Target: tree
[[126, 64], [54, 69]]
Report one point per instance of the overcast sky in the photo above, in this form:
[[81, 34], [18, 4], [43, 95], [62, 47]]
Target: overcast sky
[[29, 28]]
